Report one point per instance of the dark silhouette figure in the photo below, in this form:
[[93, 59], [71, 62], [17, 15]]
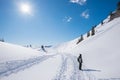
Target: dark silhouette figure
[[42, 47], [80, 61]]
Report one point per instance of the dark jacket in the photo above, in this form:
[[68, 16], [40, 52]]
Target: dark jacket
[[80, 59]]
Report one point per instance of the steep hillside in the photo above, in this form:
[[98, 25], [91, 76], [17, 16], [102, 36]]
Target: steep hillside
[[101, 51]]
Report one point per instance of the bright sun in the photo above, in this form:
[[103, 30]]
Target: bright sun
[[25, 8]]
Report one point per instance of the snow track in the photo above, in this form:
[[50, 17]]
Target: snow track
[[63, 68], [69, 70], [10, 67]]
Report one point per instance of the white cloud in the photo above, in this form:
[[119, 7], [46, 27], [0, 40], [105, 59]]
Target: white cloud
[[85, 14], [81, 2], [67, 19]]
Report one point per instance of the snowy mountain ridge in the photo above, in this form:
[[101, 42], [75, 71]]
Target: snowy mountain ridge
[[99, 29]]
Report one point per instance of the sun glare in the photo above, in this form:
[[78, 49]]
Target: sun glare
[[25, 8]]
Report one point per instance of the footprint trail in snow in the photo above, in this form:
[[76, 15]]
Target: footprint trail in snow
[[69, 70]]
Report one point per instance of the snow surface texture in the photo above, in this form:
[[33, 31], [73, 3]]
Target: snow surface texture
[[9, 52], [101, 56], [101, 51]]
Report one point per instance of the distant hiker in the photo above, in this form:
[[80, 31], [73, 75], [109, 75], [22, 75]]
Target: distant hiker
[[80, 61], [42, 47]]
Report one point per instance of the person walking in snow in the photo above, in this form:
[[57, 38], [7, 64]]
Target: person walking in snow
[[42, 47], [79, 59]]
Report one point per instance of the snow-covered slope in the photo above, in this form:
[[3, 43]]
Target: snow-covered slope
[[9, 52], [20, 63], [101, 51], [101, 56]]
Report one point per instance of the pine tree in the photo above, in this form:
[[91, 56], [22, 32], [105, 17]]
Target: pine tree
[[79, 40], [30, 45], [111, 16], [88, 34], [2, 40], [118, 5], [101, 22], [93, 30], [81, 37]]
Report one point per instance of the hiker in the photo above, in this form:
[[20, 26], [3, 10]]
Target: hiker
[[42, 47], [80, 61]]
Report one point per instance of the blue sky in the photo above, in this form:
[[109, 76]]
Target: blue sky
[[50, 22]]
